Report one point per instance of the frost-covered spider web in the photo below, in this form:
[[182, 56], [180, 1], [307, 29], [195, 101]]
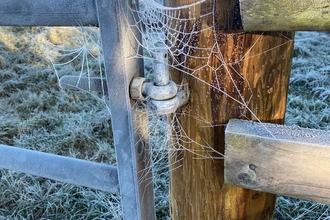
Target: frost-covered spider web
[[76, 53], [161, 28], [164, 28], [167, 28]]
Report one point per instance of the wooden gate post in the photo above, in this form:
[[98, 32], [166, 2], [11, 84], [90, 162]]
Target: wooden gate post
[[257, 68]]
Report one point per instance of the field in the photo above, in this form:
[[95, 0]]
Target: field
[[36, 114]]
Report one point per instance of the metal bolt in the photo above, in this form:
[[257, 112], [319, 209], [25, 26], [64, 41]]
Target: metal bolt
[[161, 72]]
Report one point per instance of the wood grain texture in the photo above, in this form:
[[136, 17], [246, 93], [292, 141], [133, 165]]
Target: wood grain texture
[[295, 163], [257, 67], [285, 15]]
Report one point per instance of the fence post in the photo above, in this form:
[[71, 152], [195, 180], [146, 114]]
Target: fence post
[[259, 66]]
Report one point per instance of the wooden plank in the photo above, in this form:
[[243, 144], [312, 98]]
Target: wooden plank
[[251, 63], [133, 161], [285, 15], [295, 163], [48, 13], [60, 168]]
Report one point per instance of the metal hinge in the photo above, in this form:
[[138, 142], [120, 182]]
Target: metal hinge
[[162, 94]]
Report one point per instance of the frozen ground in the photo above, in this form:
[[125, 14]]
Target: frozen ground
[[36, 114]]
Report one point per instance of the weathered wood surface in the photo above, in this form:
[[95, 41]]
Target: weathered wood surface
[[278, 159], [257, 64], [48, 13], [60, 168], [285, 15], [131, 143]]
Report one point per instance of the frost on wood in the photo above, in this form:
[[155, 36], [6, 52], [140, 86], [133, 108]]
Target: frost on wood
[[164, 28], [293, 161]]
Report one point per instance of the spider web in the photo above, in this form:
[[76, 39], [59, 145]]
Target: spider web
[[167, 28], [163, 28]]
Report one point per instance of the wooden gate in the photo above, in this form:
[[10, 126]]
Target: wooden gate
[[210, 197]]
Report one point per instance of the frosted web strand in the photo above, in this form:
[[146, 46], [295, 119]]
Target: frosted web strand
[[81, 47], [161, 27]]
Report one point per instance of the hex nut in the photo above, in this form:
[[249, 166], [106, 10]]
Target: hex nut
[[136, 88]]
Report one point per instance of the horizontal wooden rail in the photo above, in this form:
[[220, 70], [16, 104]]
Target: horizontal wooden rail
[[278, 159], [285, 15], [64, 169], [48, 13]]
